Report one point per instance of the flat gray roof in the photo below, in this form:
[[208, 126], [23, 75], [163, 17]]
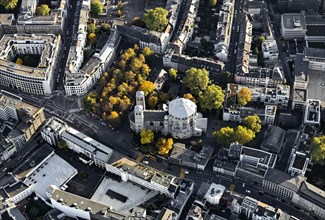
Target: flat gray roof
[[293, 21]]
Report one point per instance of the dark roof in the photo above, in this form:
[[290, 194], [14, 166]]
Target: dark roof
[[140, 34], [234, 150], [312, 194], [314, 52], [273, 139], [299, 161], [154, 115], [280, 178], [315, 30], [301, 68]]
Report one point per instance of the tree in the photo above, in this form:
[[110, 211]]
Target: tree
[[153, 101], [244, 96], [189, 96], [62, 144], [147, 52], [156, 19], [318, 150], [114, 119], [173, 73], [147, 136], [196, 80], [243, 135], [253, 122], [119, 13], [96, 7], [92, 37], [261, 38], [43, 10], [9, 4], [105, 27], [224, 136], [19, 61], [91, 28], [211, 98], [147, 87], [213, 3], [164, 145], [137, 21], [119, 5]]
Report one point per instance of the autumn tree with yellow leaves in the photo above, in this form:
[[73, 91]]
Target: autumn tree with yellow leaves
[[147, 136], [164, 145]]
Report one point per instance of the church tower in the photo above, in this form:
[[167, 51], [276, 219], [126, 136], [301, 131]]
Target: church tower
[[140, 99], [138, 118]]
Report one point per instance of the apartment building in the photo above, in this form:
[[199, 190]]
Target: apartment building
[[28, 22], [37, 80], [20, 122], [224, 26], [79, 79], [143, 175], [293, 26], [270, 51]]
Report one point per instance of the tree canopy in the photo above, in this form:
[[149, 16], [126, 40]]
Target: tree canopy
[[92, 37], [172, 73], [9, 4], [196, 80], [43, 10], [147, 87], [318, 150], [156, 19], [96, 7], [91, 28], [211, 98], [164, 145], [189, 96], [253, 122], [147, 136], [106, 27], [224, 136], [243, 135], [213, 3], [153, 101], [62, 144], [114, 119], [19, 61], [147, 52], [244, 96]]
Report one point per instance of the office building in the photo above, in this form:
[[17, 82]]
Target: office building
[[312, 112], [37, 80], [298, 5], [214, 194], [293, 26], [53, 130]]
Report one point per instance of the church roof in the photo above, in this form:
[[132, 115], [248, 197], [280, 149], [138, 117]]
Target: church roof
[[181, 108]]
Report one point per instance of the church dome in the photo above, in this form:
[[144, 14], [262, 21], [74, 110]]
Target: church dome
[[181, 108]]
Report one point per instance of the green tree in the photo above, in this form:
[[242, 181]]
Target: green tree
[[261, 38], [253, 122], [243, 135], [147, 136], [9, 4], [43, 10], [211, 98], [164, 145], [96, 7], [196, 80], [147, 87], [318, 150], [156, 19], [119, 13], [224, 136], [244, 96], [147, 52], [213, 3], [62, 144], [105, 27], [91, 28], [173, 73]]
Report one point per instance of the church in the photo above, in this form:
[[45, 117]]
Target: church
[[178, 118]]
